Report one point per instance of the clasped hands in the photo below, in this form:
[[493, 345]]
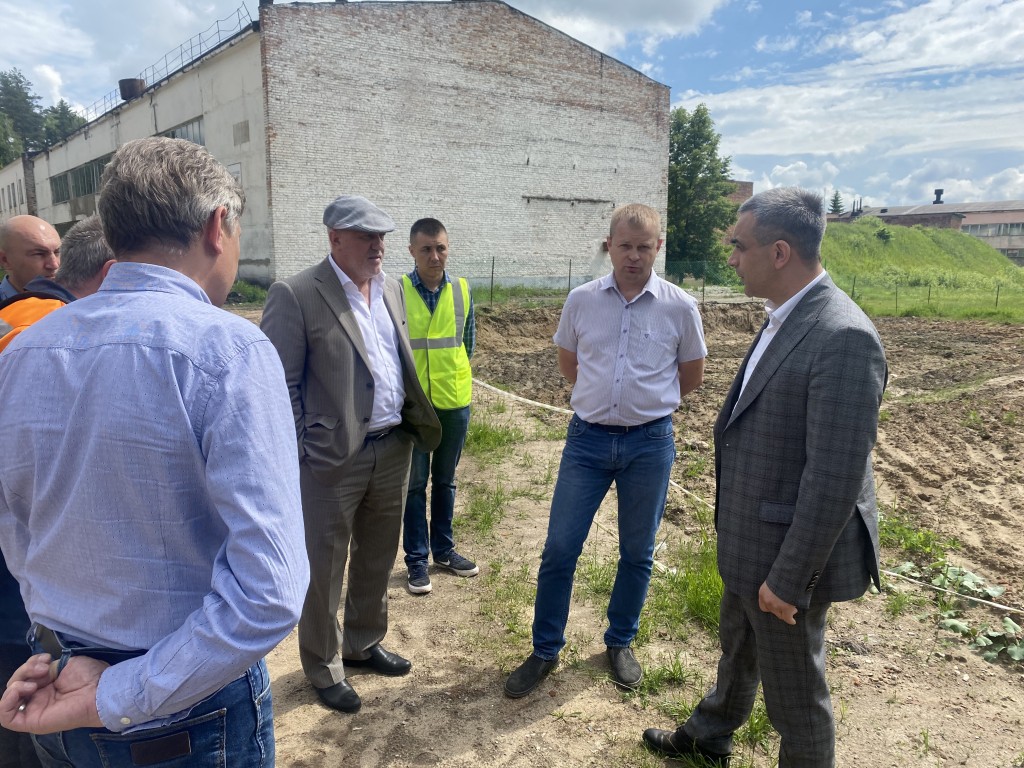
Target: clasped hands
[[40, 700]]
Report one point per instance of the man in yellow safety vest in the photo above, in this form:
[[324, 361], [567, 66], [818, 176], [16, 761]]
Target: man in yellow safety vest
[[442, 330]]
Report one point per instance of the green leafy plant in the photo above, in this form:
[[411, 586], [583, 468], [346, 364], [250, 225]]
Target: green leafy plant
[[246, 293]]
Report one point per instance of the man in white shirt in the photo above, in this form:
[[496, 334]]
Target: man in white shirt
[[341, 331], [632, 344]]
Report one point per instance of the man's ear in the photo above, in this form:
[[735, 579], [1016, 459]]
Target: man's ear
[[106, 268], [782, 252], [214, 232]]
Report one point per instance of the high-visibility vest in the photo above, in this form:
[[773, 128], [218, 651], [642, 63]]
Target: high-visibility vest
[[20, 311], [438, 343]]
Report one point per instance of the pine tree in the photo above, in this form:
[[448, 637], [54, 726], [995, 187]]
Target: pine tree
[[59, 121], [21, 107], [836, 204]]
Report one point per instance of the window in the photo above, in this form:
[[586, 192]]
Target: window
[[21, 193], [190, 131], [60, 190]]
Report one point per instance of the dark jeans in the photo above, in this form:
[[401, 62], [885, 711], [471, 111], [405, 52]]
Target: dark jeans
[[440, 467], [638, 462], [234, 726], [16, 750]]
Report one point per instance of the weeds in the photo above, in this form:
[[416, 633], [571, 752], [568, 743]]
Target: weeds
[[489, 442]]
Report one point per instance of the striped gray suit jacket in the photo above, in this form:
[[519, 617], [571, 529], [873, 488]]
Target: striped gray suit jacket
[[795, 495], [309, 320]]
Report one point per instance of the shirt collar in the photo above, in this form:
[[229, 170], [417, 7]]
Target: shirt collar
[[414, 276], [777, 315], [136, 276], [608, 282], [377, 279]]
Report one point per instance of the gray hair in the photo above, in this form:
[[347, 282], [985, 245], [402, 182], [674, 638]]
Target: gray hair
[[161, 192], [791, 214], [83, 252]]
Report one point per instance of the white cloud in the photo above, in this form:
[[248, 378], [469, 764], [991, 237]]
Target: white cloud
[[49, 80], [605, 25], [776, 45]]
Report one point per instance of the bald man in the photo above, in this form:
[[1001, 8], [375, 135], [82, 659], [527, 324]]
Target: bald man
[[29, 247]]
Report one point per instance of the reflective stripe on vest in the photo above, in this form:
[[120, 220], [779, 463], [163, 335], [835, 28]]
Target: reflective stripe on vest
[[437, 340]]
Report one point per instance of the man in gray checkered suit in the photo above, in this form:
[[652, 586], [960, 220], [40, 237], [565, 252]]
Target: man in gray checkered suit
[[795, 499]]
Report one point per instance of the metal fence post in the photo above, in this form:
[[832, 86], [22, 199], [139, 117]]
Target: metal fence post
[[492, 279], [569, 286]]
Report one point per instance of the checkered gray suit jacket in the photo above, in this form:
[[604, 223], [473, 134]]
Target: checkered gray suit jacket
[[795, 496], [309, 320]]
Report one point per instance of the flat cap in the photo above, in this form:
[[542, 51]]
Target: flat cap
[[355, 212]]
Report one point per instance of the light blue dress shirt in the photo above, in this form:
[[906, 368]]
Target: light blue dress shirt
[[149, 489], [629, 351]]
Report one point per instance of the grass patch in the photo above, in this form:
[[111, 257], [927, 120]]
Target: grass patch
[[487, 441], [246, 293], [507, 602], [486, 508]]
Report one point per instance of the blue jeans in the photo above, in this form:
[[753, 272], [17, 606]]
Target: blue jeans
[[234, 726], [440, 466], [638, 461]]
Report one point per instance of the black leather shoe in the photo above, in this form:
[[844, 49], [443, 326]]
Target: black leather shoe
[[340, 696], [381, 661], [625, 668], [678, 744], [529, 675]]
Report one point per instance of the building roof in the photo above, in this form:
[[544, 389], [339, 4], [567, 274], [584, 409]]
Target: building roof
[[932, 208]]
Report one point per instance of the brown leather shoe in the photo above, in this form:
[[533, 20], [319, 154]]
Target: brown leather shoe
[[678, 744]]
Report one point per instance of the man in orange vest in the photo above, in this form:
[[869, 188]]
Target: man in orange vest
[[86, 261]]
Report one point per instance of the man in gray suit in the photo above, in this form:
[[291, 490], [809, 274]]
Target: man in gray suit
[[340, 328], [795, 499]]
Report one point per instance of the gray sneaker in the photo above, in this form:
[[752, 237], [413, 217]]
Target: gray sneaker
[[457, 564], [419, 581]]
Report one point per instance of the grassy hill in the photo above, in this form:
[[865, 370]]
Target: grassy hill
[[921, 271]]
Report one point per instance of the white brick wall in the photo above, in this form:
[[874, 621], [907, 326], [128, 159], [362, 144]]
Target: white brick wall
[[519, 138]]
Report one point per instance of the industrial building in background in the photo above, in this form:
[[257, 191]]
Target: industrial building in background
[[999, 224], [519, 137]]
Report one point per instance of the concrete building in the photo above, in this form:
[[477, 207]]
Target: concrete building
[[520, 138]]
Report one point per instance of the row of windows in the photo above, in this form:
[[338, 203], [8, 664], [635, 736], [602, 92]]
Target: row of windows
[[192, 131], [78, 182], [85, 179], [993, 230], [8, 200]]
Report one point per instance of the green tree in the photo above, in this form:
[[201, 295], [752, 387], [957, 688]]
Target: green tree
[[21, 106], [836, 204], [10, 141], [699, 210], [59, 121]]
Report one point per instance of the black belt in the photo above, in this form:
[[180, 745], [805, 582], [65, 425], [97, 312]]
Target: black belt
[[52, 644], [380, 434], [622, 429]]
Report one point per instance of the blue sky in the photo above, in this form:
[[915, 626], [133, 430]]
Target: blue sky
[[883, 101]]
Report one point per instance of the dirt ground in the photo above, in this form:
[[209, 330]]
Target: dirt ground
[[906, 693]]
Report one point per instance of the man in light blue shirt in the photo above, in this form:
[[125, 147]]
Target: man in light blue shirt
[[149, 501], [632, 345]]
